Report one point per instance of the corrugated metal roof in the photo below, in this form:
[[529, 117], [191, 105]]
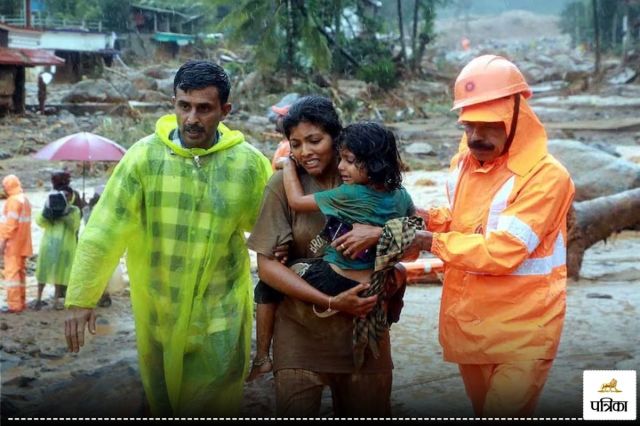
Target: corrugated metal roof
[[12, 28], [28, 57]]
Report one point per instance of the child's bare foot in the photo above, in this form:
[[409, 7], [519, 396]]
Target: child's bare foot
[[259, 366]]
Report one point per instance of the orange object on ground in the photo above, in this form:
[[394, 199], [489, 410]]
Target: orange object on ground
[[283, 150], [465, 44], [505, 390], [15, 232]]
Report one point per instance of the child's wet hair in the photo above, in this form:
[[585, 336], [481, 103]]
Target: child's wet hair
[[375, 149]]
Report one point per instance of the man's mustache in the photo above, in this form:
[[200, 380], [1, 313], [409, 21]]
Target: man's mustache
[[480, 145], [193, 128]]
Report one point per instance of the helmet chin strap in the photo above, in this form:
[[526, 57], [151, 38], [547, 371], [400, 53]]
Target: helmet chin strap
[[514, 123]]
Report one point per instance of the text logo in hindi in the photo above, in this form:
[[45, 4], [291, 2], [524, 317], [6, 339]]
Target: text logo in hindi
[[609, 395]]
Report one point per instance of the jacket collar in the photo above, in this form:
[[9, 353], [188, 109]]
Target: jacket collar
[[227, 138]]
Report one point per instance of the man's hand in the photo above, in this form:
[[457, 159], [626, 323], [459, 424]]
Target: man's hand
[[424, 214], [421, 242], [360, 238], [348, 301], [74, 325]]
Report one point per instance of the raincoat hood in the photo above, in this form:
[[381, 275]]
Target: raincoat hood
[[169, 122], [12, 185], [529, 144]]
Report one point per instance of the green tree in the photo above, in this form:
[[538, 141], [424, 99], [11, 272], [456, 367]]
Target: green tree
[[269, 24], [580, 19], [11, 7], [574, 20], [114, 14], [423, 29]]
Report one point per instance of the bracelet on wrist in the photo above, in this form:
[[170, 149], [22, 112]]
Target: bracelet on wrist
[[326, 313]]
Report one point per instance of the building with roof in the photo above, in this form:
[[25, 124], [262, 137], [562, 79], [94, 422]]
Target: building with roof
[[13, 64], [161, 32], [81, 49]]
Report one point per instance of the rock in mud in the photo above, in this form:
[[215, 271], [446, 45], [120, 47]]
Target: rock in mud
[[614, 174]]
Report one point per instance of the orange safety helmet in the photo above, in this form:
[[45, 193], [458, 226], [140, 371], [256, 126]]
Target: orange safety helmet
[[486, 78]]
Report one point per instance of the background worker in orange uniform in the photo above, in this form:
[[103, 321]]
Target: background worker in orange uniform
[[503, 242], [15, 242]]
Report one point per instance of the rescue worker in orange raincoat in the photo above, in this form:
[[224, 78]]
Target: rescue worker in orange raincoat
[[15, 242], [503, 242]]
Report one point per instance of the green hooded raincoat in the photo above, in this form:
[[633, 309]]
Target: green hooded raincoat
[[57, 247], [181, 214]]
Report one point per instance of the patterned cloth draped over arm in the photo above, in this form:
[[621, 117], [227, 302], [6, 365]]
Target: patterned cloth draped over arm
[[397, 236]]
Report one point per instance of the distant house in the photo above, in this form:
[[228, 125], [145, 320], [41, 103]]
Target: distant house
[[147, 19], [82, 50], [13, 63], [166, 31]]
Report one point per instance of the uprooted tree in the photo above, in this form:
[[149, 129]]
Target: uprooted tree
[[595, 220]]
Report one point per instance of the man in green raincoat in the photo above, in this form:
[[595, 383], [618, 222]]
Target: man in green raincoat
[[180, 201]]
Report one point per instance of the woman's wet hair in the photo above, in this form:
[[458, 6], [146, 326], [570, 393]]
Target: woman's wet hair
[[316, 110], [196, 75], [375, 149]]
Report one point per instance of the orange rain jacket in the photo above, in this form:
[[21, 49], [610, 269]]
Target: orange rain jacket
[[503, 241], [16, 219]]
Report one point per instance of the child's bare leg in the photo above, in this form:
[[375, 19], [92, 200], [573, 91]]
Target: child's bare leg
[[399, 278], [396, 286], [265, 317]]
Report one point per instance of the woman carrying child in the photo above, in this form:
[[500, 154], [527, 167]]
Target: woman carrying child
[[311, 352]]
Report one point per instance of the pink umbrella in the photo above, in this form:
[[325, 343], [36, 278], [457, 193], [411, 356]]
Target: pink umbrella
[[83, 146]]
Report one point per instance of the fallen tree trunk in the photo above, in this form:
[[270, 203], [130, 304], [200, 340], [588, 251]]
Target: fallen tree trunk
[[595, 220]]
